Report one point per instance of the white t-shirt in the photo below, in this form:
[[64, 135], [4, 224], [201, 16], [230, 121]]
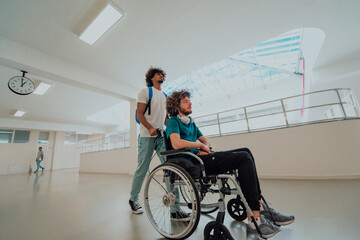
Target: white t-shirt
[[158, 111], [39, 156]]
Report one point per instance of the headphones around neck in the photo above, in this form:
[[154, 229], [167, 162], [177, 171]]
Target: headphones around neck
[[185, 119]]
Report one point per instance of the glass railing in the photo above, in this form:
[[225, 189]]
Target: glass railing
[[309, 108], [112, 142]]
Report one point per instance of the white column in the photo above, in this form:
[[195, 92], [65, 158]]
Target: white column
[[133, 138]]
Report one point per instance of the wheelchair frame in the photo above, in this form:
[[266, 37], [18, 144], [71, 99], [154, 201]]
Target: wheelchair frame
[[214, 229]]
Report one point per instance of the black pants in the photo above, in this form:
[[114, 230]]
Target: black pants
[[241, 160]]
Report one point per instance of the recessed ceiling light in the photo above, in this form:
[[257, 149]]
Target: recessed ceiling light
[[19, 113], [42, 88], [102, 23]]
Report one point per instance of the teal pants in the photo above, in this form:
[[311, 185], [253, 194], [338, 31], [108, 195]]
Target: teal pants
[[38, 165], [146, 147]]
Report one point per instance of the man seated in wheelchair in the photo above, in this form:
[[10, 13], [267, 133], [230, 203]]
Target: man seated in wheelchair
[[183, 133]]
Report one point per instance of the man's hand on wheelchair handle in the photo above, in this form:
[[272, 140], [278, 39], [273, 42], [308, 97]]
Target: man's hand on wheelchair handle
[[153, 132]]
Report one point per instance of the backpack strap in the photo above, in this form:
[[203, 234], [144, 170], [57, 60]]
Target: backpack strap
[[148, 105]]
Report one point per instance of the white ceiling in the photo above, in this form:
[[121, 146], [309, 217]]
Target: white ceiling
[[40, 36]]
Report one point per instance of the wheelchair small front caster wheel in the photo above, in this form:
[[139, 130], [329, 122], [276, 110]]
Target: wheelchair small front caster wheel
[[236, 209], [223, 232]]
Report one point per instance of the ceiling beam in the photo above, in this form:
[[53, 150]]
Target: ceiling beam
[[20, 57]]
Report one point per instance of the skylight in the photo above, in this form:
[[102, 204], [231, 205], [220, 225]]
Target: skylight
[[266, 62]]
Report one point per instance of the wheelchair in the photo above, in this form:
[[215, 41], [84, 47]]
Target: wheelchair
[[182, 183]]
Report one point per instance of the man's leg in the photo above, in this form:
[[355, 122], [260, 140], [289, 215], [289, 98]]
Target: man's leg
[[145, 151], [221, 162], [278, 218], [37, 165], [252, 157], [160, 147]]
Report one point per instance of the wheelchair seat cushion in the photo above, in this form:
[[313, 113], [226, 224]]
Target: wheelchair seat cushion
[[193, 169]]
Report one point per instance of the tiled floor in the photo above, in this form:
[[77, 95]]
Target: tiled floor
[[68, 205]]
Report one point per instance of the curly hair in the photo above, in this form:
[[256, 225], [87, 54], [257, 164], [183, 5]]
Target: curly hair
[[173, 101], [151, 73]]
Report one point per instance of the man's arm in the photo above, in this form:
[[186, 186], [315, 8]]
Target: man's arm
[[203, 140], [179, 143], [140, 116]]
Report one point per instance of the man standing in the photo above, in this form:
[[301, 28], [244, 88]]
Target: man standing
[[39, 158], [151, 117]]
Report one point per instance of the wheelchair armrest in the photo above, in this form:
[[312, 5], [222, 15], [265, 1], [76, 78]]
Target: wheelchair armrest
[[171, 152]]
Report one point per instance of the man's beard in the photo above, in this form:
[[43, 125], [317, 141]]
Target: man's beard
[[185, 112], [161, 81]]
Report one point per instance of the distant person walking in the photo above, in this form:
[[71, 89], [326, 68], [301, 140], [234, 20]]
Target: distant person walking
[[39, 158]]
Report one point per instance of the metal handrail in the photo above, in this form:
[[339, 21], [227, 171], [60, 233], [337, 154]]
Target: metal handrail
[[338, 101], [106, 143]]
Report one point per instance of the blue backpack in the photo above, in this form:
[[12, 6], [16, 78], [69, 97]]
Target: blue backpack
[[148, 105]]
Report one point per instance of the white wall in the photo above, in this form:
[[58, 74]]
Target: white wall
[[17, 157], [345, 74], [327, 150]]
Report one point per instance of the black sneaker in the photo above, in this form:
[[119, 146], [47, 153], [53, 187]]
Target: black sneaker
[[278, 218], [180, 216], [136, 207]]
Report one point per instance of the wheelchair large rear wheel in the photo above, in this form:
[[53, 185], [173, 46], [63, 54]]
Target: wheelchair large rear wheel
[[162, 197]]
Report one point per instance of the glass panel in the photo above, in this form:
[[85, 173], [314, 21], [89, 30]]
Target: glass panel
[[43, 137], [210, 130], [265, 122], [230, 116], [6, 130], [264, 109], [5, 137], [112, 142], [349, 103], [120, 141], [127, 139], [315, 114], [70, 138], [21, 136], [311, 100], [233, 127], [206, 120], [82, 138]]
